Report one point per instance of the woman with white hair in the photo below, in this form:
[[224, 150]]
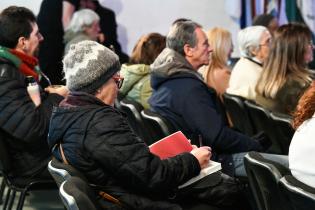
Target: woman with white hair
[[254, 43], [84, 25]]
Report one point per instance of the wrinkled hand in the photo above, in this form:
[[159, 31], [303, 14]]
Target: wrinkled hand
[[203, 155], [58, 89]]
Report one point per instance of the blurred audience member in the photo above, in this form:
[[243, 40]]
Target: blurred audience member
[[108, 27], [267, 20], [285, 75], [217, 73], [254, 43], [84, 25], [51, 18], [302, 147], [24, 122], [136, 75]]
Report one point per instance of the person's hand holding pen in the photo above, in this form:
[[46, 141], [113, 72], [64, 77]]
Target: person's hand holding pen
[[203, 154]]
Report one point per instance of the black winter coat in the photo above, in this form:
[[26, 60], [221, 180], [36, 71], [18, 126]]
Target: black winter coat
[[23, 126], [97, 140]]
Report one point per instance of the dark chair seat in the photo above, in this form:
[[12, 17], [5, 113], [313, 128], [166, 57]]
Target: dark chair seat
[[283, 131], [19, 184], [238, 113], [133, 111], [263, 176], [76, 194], [299, 195], [158, 125], [62, 172]]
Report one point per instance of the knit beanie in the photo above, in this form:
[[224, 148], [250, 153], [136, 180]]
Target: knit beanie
[[88, 65]]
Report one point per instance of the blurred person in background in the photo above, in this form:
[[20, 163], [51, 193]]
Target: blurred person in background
[[136, 73], [254, 43], [285, 75], [217, 73], [84, 25], [267, 20]]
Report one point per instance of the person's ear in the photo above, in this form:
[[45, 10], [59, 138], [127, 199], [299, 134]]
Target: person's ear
[[188, 50], [21, 43], [254, 50]]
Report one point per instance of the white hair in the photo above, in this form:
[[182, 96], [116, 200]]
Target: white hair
[[249, 39], [81, 19]]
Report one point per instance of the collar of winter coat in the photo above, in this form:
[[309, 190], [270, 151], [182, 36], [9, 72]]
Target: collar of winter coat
[[171, 65], [170, 62], [75, 99]]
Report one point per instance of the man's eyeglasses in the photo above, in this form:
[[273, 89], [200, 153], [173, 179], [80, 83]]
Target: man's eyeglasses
[[118, 80]]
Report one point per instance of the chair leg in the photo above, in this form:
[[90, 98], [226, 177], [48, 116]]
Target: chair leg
[[2, 188], [12, 197], [7, 199], [21, 200]]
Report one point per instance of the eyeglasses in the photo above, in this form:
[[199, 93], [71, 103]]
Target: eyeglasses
[[267, 43], [118, 80]]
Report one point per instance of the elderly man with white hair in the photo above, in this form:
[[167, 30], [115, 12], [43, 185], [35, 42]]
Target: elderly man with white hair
[[254, 43]]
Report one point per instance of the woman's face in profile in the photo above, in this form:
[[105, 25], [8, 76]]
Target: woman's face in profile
[[308, 56]]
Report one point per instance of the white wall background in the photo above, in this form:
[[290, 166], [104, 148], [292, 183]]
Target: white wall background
[[138, 17]]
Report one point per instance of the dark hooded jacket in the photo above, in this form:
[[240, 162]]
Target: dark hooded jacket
[[23, 126], [97, 140], [180, 95]]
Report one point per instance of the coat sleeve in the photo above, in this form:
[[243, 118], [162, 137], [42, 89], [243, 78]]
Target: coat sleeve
[[19, 116], [122, 154], [196, 106]]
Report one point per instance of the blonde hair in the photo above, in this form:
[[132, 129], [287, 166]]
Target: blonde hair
[[220, 41], [285, 60]]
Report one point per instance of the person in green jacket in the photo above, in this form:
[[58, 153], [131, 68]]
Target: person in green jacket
[[136, 73]]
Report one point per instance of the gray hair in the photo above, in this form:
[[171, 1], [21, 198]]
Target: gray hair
[[181, 33], [249, 39], [81, 19]]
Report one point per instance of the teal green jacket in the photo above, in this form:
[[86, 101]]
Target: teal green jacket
[[136, 84]]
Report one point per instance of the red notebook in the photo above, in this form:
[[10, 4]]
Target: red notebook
[[171, 145]]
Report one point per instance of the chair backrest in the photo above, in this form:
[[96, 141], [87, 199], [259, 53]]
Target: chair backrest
[[5, 161], [262, 122], [263, 176], [76, 194], [234, 105], [62, 172], [133, 111], [283, 132], [299, 195], [158, 125]]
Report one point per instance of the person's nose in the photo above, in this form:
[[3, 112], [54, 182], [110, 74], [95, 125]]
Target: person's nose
[[210, 49], [40, 37]]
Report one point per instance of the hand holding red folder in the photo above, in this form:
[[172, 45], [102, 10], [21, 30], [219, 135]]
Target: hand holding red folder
[[171, 145], [177, 143]]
